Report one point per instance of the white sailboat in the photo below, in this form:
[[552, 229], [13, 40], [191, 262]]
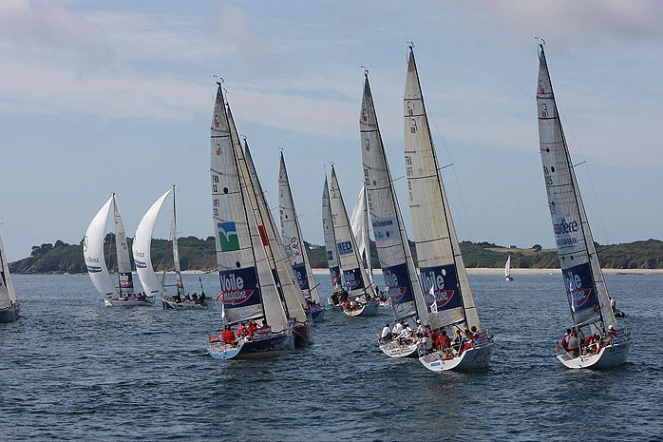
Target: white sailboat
[[400, 275], [10, 306], [332, 252], [93, 251], [441, 266], [507, 269], [295, 247], [586, 290], [142, 257], [294, 303], [248, 289], [360, 292]]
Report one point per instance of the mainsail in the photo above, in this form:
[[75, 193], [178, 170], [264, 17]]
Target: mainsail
[[355, 279], [122, 249], [585, 286], [293, 239], [7, 293], [141, 248], [441, 267], [330, 241], [400, 275], [247, 285]]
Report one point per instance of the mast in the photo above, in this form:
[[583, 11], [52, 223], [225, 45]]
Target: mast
[[400, 275], [176, 252], [441, 264], [583, 279]]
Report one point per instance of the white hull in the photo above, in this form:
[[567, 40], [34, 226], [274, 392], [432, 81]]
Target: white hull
[[509, 278], [476, 358], [394, 350], [370, 309], [119, 302], [184, 305], [610, 356], [385, 304]]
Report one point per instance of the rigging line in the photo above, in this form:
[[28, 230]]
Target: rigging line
[[589, 176]]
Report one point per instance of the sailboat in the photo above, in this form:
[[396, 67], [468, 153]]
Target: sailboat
[[441, 268], [586, 290], [10, 306], [296, 308], [361, 299], [248, 289], [295, 247], [93, 251], [142, 257], [507, 269], [332, 252], [400, 275]]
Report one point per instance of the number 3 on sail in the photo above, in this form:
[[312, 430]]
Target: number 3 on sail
[[595, 340]]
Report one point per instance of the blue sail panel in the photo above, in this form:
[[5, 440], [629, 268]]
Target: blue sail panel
[[353, 279], [239, 288], [300, 274], [126, 281], [580, 292], [335, 273], [440, 287], [398, 284]]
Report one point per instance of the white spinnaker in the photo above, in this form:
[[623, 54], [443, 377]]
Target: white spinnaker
[[330, 240], [234, 244], [93, 251], [274, 311], [294, 298], [435, 236], [7, 293], [141, 248], [574, 239], [355, 278], [293, 240], [400, 275]]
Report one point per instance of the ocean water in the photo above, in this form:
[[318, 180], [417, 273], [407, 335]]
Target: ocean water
[[72, 369]]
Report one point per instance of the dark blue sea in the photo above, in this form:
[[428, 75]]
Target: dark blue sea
[[72, 369]]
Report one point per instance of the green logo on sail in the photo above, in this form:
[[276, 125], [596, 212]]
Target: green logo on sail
[[228, 236]]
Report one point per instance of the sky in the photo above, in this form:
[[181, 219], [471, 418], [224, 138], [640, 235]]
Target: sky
[[117, 96]]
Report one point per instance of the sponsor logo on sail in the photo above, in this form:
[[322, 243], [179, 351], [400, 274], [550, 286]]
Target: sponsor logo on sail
[[437, 293], [385, 229], [216, 120], [126, 280], [567, 231], [344, 247], [294, 246], [232, 289], [229, 240], [577, 294], [92, 269]]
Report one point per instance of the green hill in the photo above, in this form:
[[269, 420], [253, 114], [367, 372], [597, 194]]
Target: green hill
[[199, 254]]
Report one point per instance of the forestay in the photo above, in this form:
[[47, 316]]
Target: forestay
[[400, 275], [293, 240], [585, 287], [442, 272], [355, 279], [330, 240], [141, 248]]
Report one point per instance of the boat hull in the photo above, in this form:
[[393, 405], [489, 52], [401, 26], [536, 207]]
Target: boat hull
[[10, 315], [385, 304], [369, 309], [302, 335], [476, 358], [119, 302], [395, 350], [273, 345], [318, 314], [608, 357], [173, 305]]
